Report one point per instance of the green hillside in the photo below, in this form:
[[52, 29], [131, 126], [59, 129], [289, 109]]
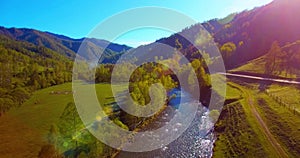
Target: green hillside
[[279, 61], [24, 130]]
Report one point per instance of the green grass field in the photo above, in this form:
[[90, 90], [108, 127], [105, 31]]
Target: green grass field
[[231, 92], [235, 136], [237, 123], [288, 94], [23, 130], [254, 66], [238, 135], [283, 122]]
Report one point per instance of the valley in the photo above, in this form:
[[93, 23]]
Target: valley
[[248, 120], [47, 102]]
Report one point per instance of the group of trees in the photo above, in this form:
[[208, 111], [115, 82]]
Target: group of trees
[[140, 82], [283, 61], [25, 68], [227, 50], [151, 73]]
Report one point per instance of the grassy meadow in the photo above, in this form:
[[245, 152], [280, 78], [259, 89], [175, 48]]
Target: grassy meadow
[[24, 129]]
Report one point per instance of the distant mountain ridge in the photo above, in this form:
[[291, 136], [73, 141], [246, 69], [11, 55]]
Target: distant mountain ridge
[[257, 29], [251, 31], [64, 45]]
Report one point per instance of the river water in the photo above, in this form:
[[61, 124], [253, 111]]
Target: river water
[[196, 141]]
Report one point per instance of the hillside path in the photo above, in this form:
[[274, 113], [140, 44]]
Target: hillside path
[[277, 147]]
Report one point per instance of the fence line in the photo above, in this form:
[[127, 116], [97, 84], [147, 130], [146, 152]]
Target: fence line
[[281, 102]]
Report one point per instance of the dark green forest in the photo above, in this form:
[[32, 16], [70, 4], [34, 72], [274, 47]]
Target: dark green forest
[[26, 68]]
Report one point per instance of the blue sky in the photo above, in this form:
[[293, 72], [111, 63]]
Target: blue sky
[[77, 18]]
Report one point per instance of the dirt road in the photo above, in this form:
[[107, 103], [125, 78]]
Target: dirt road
[[277, 147]]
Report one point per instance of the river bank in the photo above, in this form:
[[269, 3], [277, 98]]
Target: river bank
[[196, 141]]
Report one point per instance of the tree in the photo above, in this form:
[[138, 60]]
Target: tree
[[103, 74], [178, 45], [20, 95], [168, 82], [5, 75], [53, 135], [227, 50], [191, 80], [271, 59], [69, 126], [196, 64]]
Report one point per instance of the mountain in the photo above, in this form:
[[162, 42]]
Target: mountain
[[25, 67], [65, 45], [252, 32]]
